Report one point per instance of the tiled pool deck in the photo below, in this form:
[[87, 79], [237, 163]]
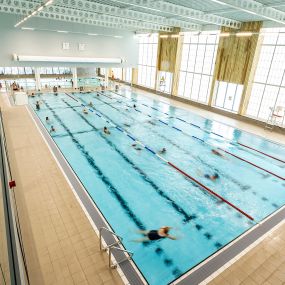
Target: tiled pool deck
[[60, 244]]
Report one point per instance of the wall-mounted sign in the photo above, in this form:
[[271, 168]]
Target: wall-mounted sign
[[65, 46], [81, 47]]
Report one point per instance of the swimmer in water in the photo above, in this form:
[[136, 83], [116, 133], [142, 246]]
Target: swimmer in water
[[153, 235], [47, 120], [52, 129], [134, 106], [90, 104], [38, 105], [106, 131], [127, 125], [163, 150], [134, 145], [212, 177], [85, 111], [217, 153]]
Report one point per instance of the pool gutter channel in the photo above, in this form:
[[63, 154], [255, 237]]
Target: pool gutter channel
[[128, 268]]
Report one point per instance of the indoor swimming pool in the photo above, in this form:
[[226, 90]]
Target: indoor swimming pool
[[137, 186]]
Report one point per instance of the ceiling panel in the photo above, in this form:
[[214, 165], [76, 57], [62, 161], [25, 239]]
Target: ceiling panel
[[121, 10]]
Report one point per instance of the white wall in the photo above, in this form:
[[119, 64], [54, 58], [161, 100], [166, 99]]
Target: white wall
[[46, 42]]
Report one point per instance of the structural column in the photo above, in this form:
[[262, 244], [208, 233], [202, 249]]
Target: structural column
[[235, 58], [106, 77], [167, 53], [38, 78], [74, 77]]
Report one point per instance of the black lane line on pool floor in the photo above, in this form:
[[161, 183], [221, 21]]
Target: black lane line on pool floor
[[229, 153], [201, 140], [209, 132], [200, 185], [174, 144], [130, 271], [187, 217], [159, 251]]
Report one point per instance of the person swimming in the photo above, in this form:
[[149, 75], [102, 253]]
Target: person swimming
[[52, 129], [134, 106], [106, 131], [163, 150], [153, 235], [134, 145], [47, 120], [90, 104], [216, 152], [85, 111], [212, 177]]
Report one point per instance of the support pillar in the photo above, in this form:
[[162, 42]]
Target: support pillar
[[74, 77], [38, 78], [106, 77]]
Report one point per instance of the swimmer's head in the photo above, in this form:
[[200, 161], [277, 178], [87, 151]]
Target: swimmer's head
[[166, 229]]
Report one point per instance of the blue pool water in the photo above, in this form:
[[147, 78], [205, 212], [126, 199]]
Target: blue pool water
[[137, 190]]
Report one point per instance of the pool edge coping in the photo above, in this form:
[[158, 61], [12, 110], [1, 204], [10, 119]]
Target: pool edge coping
[[203, 272], [128, 269]]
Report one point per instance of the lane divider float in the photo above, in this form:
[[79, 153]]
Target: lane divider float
[[178, 169], [210, 132]]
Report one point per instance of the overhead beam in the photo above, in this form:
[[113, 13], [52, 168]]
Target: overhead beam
[[127, 14], [73, 15], [69, 13], [256, 8], [183, 11]]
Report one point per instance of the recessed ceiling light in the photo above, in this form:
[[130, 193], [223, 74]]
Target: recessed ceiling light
[[224, 34], [26, 28], [48, 2], [64, 32], [118, 37], [90, 34], [244, 34]]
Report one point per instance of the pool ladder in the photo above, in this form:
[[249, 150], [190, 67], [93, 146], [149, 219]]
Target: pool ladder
[[114, 247]]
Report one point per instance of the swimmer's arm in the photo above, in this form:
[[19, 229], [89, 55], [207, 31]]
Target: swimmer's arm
[[172, 237]]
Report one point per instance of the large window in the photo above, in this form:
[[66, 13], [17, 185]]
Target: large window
[[147, 60], [117, 73], [268, 89], [16, 70], [197, 65], [164, 82], [55, 70], [128, 74]]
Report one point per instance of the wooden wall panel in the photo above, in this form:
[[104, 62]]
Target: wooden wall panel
[[167, 49], [134, 76], [176, 74], [235, 54], [167, 54]]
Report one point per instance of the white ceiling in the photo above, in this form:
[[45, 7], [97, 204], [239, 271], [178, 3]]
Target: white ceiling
[[151, 15]]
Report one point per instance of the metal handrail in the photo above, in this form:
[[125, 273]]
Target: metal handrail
[[129, 257], [110, 245]]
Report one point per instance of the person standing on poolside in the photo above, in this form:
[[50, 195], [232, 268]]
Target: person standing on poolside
[[38, 105]]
